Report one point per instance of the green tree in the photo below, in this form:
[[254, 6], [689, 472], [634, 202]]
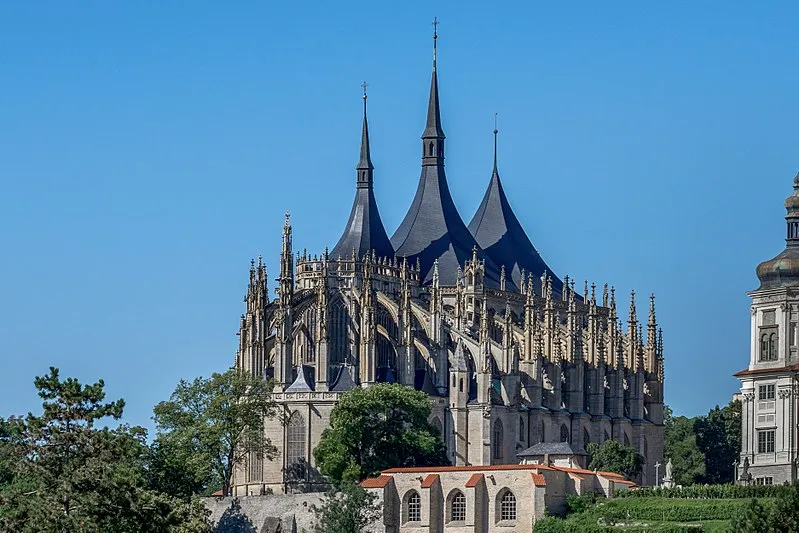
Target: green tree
[[348, 508], [210, 425], [612, 456], [680, 446], [718, 437], [785, 513], [71, 475], [754, 518], [376, 428]]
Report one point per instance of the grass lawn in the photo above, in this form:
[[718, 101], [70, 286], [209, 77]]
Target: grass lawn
[[652, 514]]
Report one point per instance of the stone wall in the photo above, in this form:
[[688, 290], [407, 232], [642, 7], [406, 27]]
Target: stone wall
[[272, 513]]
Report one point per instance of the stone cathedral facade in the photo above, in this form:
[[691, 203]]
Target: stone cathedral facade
[[509, 354]]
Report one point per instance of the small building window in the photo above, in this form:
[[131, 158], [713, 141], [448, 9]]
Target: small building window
[[764, 480], [769, 338], [765, 392], [413, 507], [507, 506], [458, 509], [765, 441]]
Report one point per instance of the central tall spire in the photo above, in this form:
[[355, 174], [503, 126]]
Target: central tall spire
[[432, 229], [433, 135]]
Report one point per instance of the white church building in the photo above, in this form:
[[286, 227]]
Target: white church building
[[769, 384]]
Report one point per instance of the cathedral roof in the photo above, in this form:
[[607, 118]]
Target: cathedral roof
[[432, 228], [364, 230], [497, 230]]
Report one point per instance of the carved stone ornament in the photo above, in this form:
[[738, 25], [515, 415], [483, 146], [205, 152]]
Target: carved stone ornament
[[486, 411]]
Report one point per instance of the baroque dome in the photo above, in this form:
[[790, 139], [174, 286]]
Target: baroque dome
[[783, 270]]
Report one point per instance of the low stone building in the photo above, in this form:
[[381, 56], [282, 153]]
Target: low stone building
[[481, 499]]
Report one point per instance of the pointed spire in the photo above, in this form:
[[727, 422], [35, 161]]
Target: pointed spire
[[365, 166], [433, 128]]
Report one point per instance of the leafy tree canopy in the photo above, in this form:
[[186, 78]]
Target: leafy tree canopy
[[680, 444], [346, 509], [69, 475], [718, 437], [703, 449], [379, 427], [612, 456], [210, 425]]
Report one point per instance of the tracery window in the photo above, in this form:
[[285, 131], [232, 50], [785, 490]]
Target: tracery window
[[295, 439]]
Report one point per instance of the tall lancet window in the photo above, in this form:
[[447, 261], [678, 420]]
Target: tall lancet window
[[499, 438], [295, 447]]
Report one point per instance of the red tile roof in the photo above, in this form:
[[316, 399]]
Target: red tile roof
[[375, 482], [484, 468], [429, 480], [538, 479], [474, 480]]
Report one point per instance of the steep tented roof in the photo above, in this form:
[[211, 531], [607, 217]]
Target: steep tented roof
[[499, 233], [364, 231], [432, 228]]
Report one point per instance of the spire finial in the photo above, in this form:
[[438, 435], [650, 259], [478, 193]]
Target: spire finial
[[365, 166], [495, 143], [435, 39]]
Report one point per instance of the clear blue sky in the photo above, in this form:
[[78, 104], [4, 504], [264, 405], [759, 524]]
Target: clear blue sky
[[149, 150]]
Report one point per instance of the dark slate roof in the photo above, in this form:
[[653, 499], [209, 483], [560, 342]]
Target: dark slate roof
[[304, 381], [499, 233], [551, 448], [432, 228], [344, 381], [365, 230]]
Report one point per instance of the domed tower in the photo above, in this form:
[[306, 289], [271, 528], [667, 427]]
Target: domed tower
[[768, 386]]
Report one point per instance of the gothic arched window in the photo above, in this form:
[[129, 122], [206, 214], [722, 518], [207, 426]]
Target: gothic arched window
[[522, 434], [295, 447], [457, 510], [437, 425], [586, 438], [543, 432], [507, 506], [498, 440], [564, 433], [626, 440], [413, 507]]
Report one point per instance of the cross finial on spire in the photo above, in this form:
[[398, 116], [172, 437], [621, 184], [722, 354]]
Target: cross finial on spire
[[495, 142], [364, 85], [435, 38]]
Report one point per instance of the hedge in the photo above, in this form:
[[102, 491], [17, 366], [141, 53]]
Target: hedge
[[709, 492]]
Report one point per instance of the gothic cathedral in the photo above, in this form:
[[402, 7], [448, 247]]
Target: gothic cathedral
[[509, 354]]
